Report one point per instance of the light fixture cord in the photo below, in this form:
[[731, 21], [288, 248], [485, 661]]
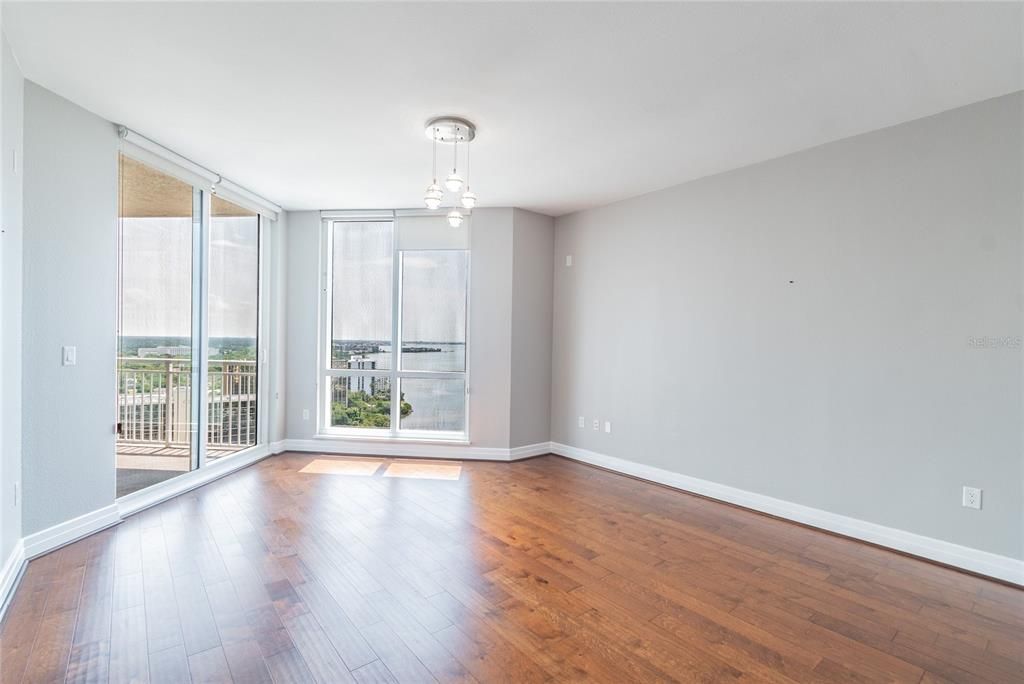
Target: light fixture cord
[[467, 166], [455, 151], [435, 154]]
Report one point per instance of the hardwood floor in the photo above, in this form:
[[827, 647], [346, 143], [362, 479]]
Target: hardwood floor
[[543, 570]]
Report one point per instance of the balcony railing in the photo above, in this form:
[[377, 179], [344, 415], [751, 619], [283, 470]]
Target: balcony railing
[[155, 401]]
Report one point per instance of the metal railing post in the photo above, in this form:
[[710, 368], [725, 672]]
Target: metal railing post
[[169, 404]]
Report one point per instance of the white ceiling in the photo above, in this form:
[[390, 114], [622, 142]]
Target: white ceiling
[[323, 105]]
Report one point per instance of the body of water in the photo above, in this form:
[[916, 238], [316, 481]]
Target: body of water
[[436, 404]]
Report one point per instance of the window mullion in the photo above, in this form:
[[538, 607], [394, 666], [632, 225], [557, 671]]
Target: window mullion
[[396, 336]]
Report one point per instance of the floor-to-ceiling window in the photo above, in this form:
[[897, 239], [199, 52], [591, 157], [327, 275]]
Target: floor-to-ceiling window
[[188, 326], [395, 317]]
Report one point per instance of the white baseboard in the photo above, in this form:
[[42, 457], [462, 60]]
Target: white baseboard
[[529, 451], [277, 447], [10, 575], [974, 560], [68, 531], [160, 492], [413, 449]]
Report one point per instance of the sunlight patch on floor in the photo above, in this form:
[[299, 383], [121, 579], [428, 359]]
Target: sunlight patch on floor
[[425, 471], [342, 466]]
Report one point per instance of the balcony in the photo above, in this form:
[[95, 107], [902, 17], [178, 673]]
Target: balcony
[[154, 398]]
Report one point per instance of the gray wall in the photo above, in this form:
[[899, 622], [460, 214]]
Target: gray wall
[[492, 245], [860, 387], [532, 283], [301, 293], [70, 274], [490, 327], [11, 125], [277, 346]]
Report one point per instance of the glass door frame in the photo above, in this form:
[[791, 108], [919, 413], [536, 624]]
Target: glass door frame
[[262, 335], [202, 420], [199, 419]]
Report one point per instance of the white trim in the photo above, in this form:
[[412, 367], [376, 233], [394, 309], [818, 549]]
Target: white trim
[[981, 562], [357, 215], [213, 470], [385, 214], [10, 575], [68, 531], [233, 192], [529, 451], [405, 448]]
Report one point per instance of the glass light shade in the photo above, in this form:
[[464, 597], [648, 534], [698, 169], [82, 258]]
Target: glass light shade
[[433, 196], [469, 199], [454, 218], [453, 182]]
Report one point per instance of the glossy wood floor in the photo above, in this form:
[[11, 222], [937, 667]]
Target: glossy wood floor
[[546, 570]]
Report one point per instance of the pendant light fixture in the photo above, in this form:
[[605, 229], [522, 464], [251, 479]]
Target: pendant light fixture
[[449, 130]]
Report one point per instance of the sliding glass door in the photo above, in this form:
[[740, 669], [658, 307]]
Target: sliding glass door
[[158, 217], [233, 340], [188, 327]]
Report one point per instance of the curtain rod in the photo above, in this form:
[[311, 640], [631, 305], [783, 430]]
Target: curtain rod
[[216, 180]]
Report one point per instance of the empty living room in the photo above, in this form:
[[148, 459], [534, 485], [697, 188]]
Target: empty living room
[[509, 342]]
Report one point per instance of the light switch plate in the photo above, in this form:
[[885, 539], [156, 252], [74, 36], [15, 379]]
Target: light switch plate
[[69, 356]]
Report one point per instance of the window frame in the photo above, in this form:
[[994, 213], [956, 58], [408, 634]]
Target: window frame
[[395, 374]]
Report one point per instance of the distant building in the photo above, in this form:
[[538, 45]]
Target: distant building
[[369, 384], [173, 351], [363, 383]]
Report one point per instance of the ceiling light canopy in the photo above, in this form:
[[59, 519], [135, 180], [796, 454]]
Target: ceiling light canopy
[[450, 130]]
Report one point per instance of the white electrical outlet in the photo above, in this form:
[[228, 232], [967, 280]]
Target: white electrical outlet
[[568, 259], [972, 498], [608, 426], [597, 424], [305, 414], [582, 422]]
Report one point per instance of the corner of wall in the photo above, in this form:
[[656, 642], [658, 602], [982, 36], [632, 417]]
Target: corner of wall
[[531, 328]]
